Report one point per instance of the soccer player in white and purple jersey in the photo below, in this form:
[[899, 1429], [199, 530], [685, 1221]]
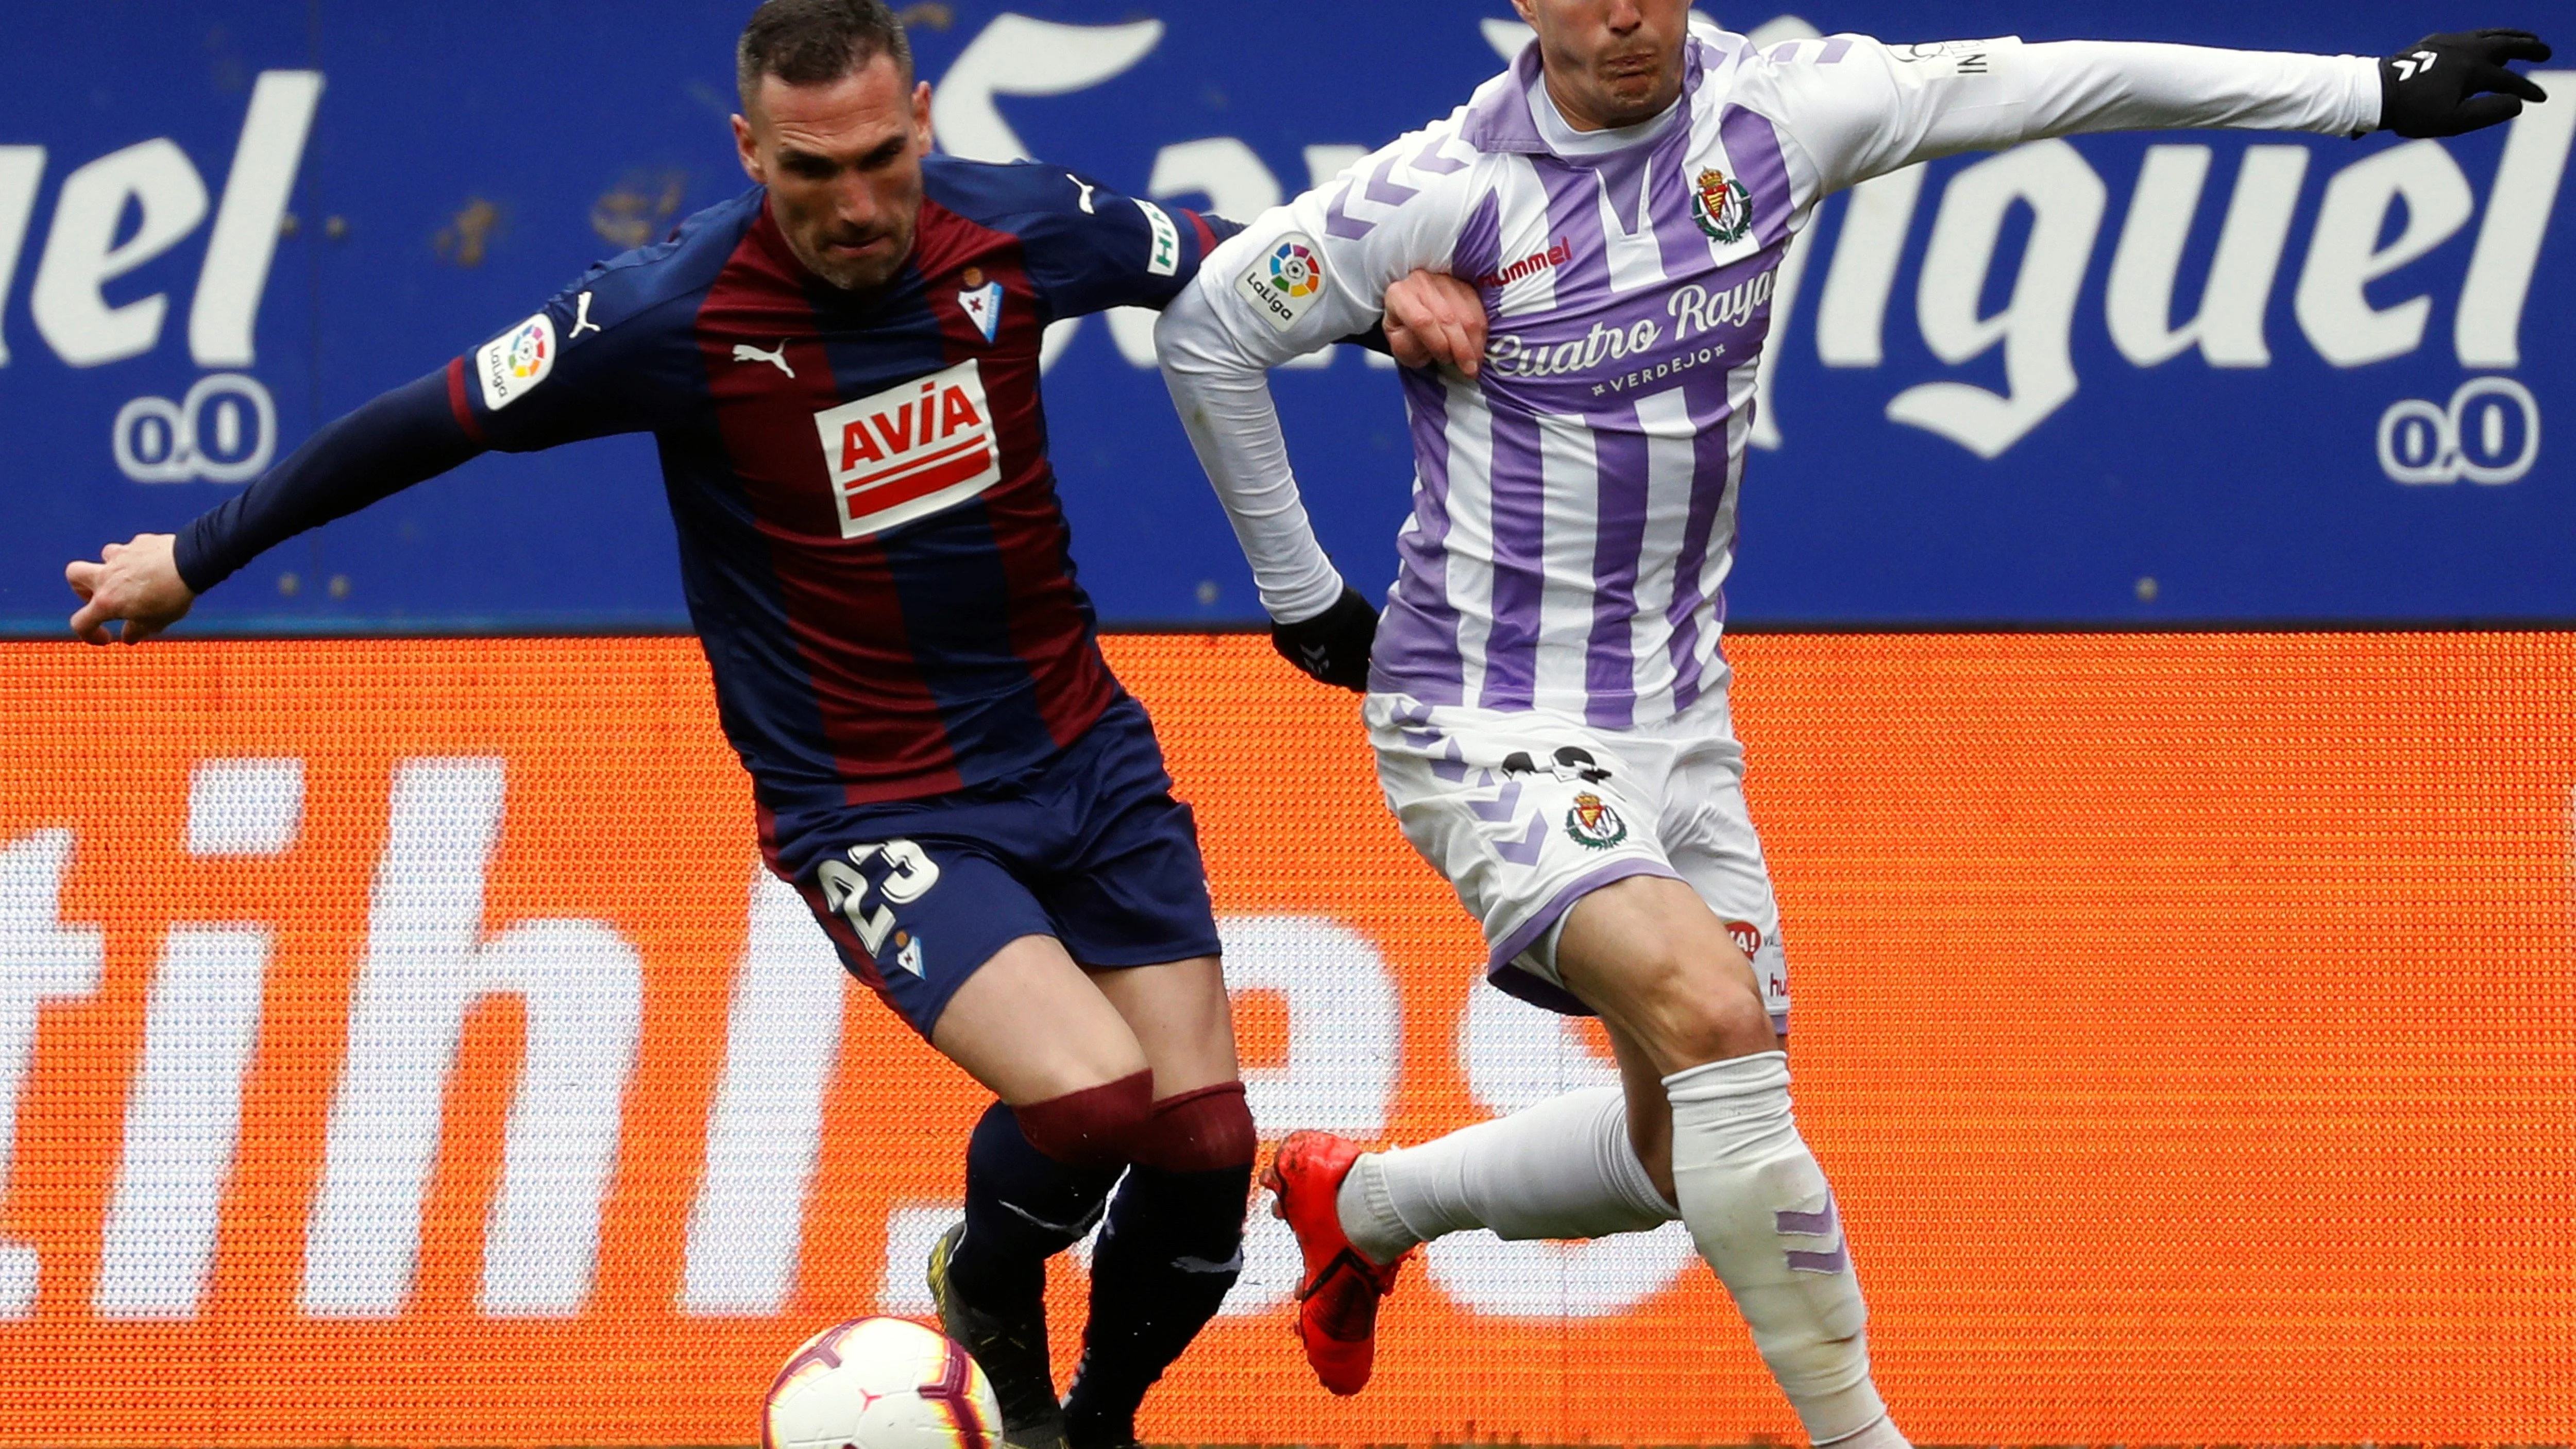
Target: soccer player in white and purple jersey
[[1547, 695]]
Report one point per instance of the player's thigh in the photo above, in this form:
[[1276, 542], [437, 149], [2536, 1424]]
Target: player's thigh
[[961, 948], [1648, 955], [1180, 1016], [1031, 1025], [1709, 837]]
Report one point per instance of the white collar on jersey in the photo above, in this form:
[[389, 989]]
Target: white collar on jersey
[[1564, 140]]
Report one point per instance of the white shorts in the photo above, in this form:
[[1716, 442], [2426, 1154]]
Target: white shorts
[[1525, 812]]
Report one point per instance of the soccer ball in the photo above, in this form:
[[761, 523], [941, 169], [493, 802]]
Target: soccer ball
[[881, 1383]]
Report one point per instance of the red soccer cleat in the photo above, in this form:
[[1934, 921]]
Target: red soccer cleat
[[1337, 1301]]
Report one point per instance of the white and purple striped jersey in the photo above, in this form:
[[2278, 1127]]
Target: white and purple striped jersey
[[1574, 506]]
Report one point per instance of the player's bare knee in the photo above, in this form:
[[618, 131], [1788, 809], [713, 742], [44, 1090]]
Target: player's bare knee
[[1703, 1007]]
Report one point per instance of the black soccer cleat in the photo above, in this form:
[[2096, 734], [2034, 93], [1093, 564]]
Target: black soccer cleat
[[1010, 1347]]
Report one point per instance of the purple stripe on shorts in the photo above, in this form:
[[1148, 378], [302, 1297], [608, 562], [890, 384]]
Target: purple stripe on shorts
[[1417, 641], [1501, 807], [1783, 53], [1520, 579], [1451, 766], [1525, 850], [1837, 1261], [1753, 148], [1519, 982], [1835, 50], [1619, 545]]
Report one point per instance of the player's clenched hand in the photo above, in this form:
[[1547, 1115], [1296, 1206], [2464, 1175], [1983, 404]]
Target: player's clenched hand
[[1332, 647], [137, 582], [1433, 318], [2446, 85]]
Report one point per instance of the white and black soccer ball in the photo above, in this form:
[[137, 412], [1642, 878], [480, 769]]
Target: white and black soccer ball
[[881, 1383]]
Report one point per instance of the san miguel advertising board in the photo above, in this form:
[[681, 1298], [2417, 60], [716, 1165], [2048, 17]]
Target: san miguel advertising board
[[2126, 379]]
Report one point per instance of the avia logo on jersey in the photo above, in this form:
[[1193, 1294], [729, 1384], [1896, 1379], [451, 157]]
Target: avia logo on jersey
[[1722, 207], [1283, 283], [514, 362], [1529, 266], [910, 451]]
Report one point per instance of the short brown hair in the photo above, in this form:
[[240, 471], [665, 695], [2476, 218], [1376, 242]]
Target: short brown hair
[[816, 42]]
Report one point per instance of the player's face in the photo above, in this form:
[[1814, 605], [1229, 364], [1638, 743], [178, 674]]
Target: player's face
[[843, 166], [1610, 62]]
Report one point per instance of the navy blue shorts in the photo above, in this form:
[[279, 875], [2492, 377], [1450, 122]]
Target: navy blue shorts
[[1089, 848]]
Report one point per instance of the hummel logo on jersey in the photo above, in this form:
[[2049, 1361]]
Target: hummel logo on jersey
[[910, 451], [983, 307], [775, 357], [581, 322], [2411, 66], [1529, 266]]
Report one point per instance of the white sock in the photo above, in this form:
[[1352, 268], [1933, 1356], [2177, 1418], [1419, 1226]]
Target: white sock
[[1764, 1218], [1562, 1169]]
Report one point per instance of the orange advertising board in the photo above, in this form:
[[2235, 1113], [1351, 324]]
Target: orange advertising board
[[398, 1046]]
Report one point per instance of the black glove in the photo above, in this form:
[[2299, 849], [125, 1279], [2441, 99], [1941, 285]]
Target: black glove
[[2438, 86], [1333, 646]]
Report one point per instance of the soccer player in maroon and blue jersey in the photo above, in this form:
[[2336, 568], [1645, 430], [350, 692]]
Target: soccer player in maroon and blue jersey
[[841, 369]]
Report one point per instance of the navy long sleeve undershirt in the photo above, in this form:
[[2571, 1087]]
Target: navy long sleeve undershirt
[[404, 437]]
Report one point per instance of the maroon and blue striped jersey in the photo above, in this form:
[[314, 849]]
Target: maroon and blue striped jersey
[[870, 540]]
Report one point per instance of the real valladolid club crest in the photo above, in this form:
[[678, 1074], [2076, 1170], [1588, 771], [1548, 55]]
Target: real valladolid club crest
[[1592, 822], [1723, 208]]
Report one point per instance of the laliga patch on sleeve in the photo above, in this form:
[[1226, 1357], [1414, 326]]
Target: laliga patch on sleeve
[[1953, 59], [517, 360], [1285, 281], [1164, 260]]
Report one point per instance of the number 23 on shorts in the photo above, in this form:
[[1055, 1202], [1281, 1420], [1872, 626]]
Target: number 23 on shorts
[[868, 903]]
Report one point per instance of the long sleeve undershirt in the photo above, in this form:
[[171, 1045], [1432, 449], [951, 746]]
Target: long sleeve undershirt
[[406, 436]]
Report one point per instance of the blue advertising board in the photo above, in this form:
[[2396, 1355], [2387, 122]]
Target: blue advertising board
[[2131, 379]]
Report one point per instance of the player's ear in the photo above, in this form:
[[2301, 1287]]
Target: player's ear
[[921, 115], [748, 151]]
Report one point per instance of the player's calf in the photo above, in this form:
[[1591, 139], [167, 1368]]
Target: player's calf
[[1172, 1247], [1662, 972], [1037, 1179]]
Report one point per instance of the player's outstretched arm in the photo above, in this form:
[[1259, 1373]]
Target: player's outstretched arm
[[403, 437], [1887, 107]]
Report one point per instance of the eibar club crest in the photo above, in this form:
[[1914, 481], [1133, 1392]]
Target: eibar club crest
[[981, 302], [1593, 823], [1723, 208]]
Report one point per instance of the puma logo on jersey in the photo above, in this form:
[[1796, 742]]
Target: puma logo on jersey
[[775, 357], [581, 322], [910, 451]]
